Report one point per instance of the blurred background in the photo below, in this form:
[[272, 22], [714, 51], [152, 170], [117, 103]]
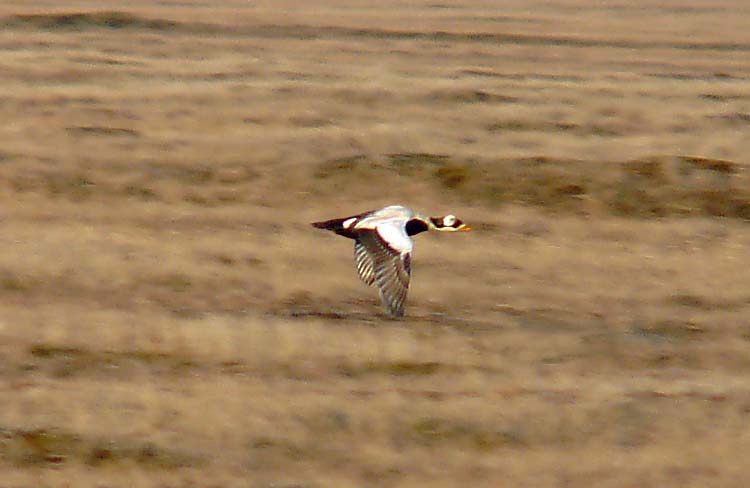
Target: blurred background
[[169, 318]]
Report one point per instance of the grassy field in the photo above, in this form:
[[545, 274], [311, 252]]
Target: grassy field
[[169, 318]]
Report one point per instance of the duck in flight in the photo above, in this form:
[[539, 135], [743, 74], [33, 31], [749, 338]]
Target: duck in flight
[[383, 247]]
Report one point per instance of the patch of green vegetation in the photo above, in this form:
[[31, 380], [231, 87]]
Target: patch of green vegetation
[[147, 357], [717, 203], [198, 199], [514, 125], [286, 449], [233, 174], [437, 431], [671, 329], [742, 209], [511, 126], [453, 176], [12, 282], [66, 362], [325, 422], [199, 176], [645, 188], [397, 368], [541, 182], [647, 169], [224, 259], [376, 475], [195, 175], [140, 192], [96, 130], [75, 187], [362, 167], [47, 351], [177, 282], [82, 20], [337, 166], [601, 130], [54, 446], [228, 197], [41, 446], [309, 121], [631, 201], [690, 300], [471, 96], [714, 97], [280, 450], [410, 162]]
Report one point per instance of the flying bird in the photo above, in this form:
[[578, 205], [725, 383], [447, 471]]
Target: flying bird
[[383, 247]]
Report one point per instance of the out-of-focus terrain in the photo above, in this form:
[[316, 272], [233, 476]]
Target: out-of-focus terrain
[[169, 318]]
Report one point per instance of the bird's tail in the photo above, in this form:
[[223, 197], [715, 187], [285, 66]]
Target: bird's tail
[[335, 225], [327, 224]]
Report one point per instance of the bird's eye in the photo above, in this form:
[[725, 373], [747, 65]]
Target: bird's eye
[[449, 221]]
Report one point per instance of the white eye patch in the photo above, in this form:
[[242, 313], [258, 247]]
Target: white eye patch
[[348, 222], [449, 221]]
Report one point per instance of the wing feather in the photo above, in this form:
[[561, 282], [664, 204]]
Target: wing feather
[[391, 268], [364, 263]]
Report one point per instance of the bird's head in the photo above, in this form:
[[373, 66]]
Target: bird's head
[[449, 223]]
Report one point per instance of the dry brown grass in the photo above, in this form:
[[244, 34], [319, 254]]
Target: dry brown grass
[[169, 318]]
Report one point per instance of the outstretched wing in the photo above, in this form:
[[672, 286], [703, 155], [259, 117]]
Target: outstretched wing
[[364, 263], [389, 249]]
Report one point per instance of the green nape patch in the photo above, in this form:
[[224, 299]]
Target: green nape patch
[[50, 447], [650, 187]]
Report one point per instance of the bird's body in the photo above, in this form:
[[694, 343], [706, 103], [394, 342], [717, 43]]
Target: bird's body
[[383, 247]]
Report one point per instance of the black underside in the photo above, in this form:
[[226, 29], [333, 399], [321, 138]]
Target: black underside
[[416, 226]]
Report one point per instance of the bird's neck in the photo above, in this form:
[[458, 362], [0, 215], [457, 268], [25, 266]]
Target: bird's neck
[[416, 226]]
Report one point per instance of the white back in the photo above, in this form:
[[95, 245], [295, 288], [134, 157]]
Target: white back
[[390, 214], [394, 233]]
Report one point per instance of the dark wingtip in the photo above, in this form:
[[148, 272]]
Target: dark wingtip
[[318, 225]]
